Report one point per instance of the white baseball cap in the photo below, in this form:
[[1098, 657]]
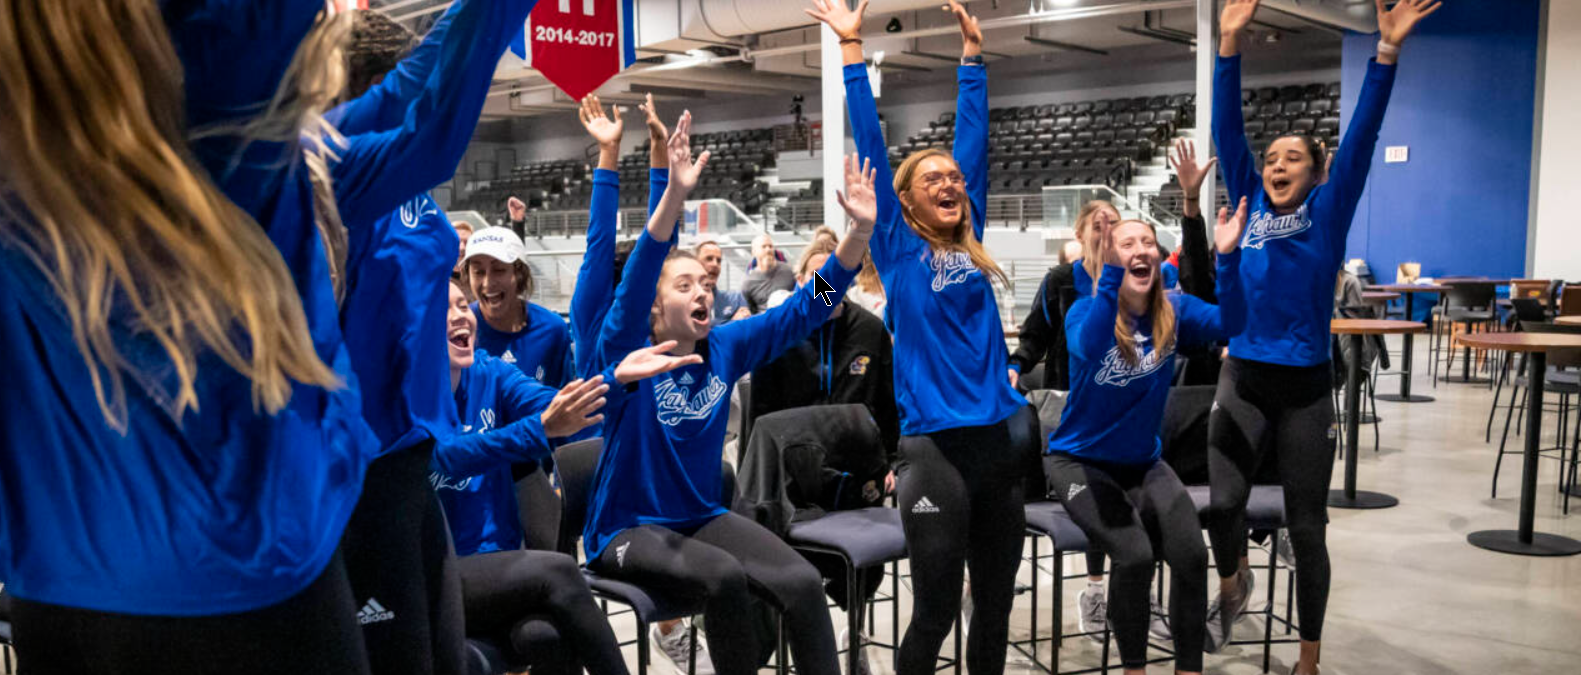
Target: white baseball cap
[[499, 243]]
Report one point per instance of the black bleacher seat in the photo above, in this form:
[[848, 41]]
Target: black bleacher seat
[[1045, 111], [1249, 111], [1333, 91], [1102, 106], [1304, 125], [1254, 128], [1267, 94], [1143, 120], [1319, 107], [1328, 126], [1293, 109], [1290, 92], [1104, 138], [1167, 116], [1102, 121], [1248, 96], [1315, 91], [1157, 102], [1122, 120], [1276, 128], [1179, 100], [1269, 110], [1082, 108]]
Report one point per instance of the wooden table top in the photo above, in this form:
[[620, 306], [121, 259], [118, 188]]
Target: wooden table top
[[1408, 288], [1521, 342], [1495, 282], [1378, 296], [1568, 320], [1375, 327]]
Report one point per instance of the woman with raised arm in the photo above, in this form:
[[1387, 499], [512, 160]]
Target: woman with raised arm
[[655, 515], [509, 418], [968, 438], [1104, 460], [1274, 391]]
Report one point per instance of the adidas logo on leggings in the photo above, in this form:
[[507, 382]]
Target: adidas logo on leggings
[[373, 612], [924, 506]]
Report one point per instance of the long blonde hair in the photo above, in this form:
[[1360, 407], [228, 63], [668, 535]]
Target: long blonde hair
[[105, 197], [1093, 263], [961, 237], [1158, 307]]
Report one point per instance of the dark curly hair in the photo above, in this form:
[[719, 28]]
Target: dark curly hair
[[377, 45]]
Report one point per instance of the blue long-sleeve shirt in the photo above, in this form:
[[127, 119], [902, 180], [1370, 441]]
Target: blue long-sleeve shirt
[[397, 264], [662, 435], [1289, 261], [471, 470], [224, 509], [383, 105], [1114, 409], [942, 311], [541, 349], [595, 286]]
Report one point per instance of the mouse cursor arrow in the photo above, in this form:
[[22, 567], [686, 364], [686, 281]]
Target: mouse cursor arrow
[[822, 290]]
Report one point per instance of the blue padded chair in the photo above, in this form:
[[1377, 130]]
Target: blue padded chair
[[1265, 510], [575, 464], [863, 539]]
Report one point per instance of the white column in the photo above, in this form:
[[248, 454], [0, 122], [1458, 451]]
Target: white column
[[1207, 48], [833, 127]]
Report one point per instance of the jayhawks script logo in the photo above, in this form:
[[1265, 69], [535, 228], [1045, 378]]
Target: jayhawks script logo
[[443, 482], [1268, 226], [1116, 371], [949, 268], [413, 211], [677, 403]]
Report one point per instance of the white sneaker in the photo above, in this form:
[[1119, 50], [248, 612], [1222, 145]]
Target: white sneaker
[[864, 661], [1093, 616], [677, 646], [1287, 551]]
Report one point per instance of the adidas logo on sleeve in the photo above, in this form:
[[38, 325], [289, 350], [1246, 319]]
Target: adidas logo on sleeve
[[373, 612], [1075, 489], [924, 505]]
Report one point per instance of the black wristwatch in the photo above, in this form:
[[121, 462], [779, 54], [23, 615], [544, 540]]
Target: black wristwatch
[[973, 60]]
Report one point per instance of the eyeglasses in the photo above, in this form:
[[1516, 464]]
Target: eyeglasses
[[933, 179]]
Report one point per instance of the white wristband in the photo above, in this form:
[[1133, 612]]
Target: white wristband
[[1385, 48]]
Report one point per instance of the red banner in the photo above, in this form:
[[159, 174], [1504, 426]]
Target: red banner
[[579, 44]]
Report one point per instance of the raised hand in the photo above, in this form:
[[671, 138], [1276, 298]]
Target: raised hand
[[1236, 15], [1111, 252], [573, 408], [516, 208], [1395, 25], [649, 361], [656, 131], [684, 172], [971, 33], [859, 199], [600, 126], [845, 22], [1227, 231], [1184, 161]]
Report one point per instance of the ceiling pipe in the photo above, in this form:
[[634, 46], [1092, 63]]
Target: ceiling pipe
[[735, 18], [1032, 18], [1363, 19]]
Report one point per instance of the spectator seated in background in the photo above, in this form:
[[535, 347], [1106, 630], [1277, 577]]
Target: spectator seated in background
[[767, 276], [728, 305]]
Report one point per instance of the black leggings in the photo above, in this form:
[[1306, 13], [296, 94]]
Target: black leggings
[[504, 590], [313, 632], [1264, 411], [718, 563], [403, 570], [1130, 512], [961, 502]]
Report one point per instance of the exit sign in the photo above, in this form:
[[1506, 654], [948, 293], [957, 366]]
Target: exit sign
[[1396, 154]]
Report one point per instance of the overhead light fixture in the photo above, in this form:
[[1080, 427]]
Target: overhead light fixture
[[893, 26]]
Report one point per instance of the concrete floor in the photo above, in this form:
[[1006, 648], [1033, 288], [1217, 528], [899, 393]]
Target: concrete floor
[[1410, 596]]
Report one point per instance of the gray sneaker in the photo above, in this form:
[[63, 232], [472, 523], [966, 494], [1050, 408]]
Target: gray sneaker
[[1222, 615], [1159, 626], [677, 646], [1287, 551], [1094, 616], [864, 662]]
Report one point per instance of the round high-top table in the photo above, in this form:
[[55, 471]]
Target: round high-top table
[[1523, 541], [1568, 320], [1354, 330], [1409, 291]]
